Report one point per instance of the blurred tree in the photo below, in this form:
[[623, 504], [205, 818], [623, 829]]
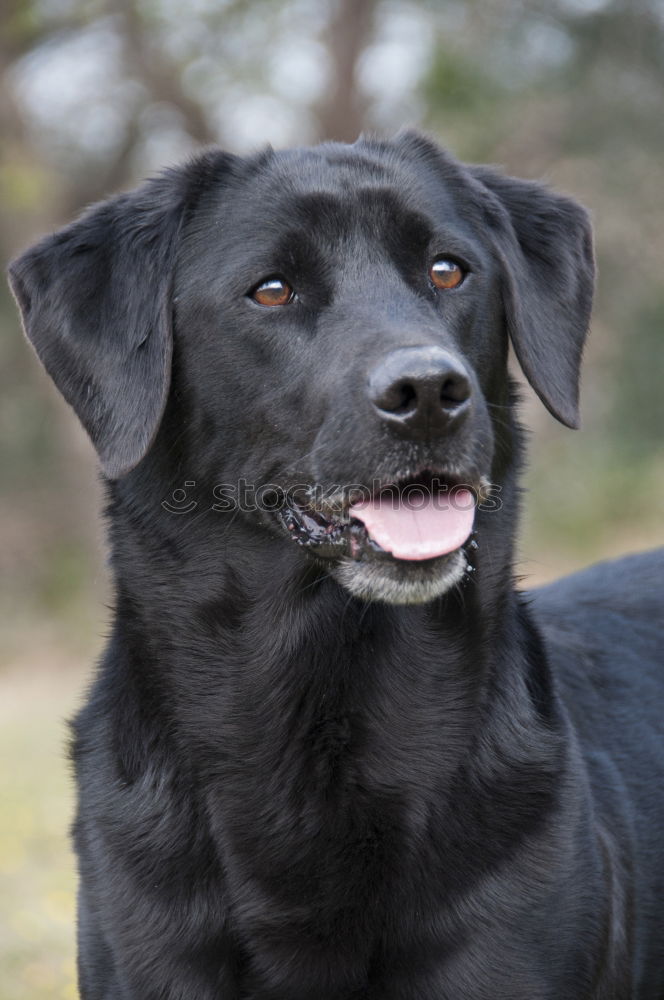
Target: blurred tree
[[342, 113]]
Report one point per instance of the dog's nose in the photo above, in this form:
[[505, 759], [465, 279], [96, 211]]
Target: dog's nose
[[420, 391]]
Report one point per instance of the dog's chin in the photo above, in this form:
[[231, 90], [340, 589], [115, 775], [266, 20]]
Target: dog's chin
[[397, 581]]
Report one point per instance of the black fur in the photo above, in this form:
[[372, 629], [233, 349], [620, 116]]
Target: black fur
[[288, 792]]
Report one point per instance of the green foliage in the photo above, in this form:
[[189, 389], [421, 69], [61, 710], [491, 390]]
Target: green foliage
[[636, 422], [459, 86]]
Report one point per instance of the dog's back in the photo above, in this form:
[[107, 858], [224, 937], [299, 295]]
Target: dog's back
[[603, 629], [603, 633]]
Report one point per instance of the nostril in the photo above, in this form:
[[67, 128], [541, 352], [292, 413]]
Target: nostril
[[454, 390], [408, 398], [398, 397]]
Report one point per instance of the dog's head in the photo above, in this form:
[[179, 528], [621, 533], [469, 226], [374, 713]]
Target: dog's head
[[330, 325]]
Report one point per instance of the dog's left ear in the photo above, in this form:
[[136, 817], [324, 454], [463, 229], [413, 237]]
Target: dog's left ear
[[95, 303], [546, 247], [95, 299]]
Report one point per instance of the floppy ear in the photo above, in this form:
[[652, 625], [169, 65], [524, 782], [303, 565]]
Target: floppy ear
[[95, 299], [546, 248]]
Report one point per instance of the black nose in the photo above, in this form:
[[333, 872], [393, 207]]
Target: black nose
[[420, 391]]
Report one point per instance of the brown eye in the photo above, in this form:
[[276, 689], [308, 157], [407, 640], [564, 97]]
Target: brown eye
[[273, 292], [446, 273]]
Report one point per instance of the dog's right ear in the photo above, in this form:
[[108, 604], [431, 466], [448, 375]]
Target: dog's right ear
[[544, 241], [95, 299]]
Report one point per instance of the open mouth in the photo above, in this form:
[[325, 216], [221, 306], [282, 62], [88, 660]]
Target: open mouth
[[410, 520]]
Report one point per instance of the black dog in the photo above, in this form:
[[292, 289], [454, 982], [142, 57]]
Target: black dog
[[331, 753]]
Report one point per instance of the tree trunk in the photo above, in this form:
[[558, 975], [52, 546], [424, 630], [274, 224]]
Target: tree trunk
[[341, 114]]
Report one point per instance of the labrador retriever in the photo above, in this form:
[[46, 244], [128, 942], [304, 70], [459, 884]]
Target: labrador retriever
[[331, 752]]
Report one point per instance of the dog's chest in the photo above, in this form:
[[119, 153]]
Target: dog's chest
[[327, 872]]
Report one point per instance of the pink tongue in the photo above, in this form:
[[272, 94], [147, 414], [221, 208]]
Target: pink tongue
[[419, 526]]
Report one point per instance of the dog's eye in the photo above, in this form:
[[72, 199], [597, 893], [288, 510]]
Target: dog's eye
[[446, 273], [273, 292]]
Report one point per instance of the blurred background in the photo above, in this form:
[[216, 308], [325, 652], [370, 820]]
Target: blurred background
[[94, 94]]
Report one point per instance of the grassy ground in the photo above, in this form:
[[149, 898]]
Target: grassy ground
[[37, 874]]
